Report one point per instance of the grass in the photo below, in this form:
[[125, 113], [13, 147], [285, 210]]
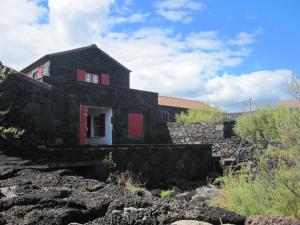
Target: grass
[[131, 182], [200, 115]]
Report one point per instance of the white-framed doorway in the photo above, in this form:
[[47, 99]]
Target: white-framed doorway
[[99, 126]]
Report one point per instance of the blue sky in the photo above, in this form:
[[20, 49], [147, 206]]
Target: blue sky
[[276, 23], [219, 52]]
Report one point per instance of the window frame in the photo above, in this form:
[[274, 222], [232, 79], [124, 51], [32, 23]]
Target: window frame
[[88, 75], [93, 79]]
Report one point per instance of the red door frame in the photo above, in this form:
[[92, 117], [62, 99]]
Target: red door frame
[[83, 125]]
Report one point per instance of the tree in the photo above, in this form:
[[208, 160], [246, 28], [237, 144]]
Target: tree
[[294, 85]]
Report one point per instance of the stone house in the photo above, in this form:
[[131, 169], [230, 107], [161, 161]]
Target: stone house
[[81, 96]]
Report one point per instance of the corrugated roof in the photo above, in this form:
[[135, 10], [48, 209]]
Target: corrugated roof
[[181, 103], [290, 103]]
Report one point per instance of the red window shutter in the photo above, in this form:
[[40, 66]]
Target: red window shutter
[[81, 75], [40, 72], [135, 125], [105, 79], [83, 125], [102, 125]]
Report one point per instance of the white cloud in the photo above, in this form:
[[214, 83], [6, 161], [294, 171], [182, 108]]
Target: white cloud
[[71, 23], [176, 65], [178, 10], [161, 59], [133, 18], [16, 12], [263, 87]]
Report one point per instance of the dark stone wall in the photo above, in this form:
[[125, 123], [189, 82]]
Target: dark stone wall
[[28, 103], [200, 133], [64, 66], [172, 111], [156, 163], [221, 136]]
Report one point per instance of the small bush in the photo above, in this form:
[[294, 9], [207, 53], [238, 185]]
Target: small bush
[[280, 124], [165, 194], [131, 182], [200, 115], [276, 191]]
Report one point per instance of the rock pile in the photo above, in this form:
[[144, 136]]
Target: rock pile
[[32, 195]]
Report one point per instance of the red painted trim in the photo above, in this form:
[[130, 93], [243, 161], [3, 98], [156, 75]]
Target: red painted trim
[[83, 125], [105, 79], [40, 72], [135, 125], [81, 75]]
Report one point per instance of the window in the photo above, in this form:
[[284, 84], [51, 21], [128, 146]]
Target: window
[[135, 125], [88, 77], [165, 117], [35, 74], [105, 79], [95, 79]]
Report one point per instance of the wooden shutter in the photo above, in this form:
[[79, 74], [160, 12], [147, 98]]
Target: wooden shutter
[[83, 125], [40, 72], [81, 75], [135, 125], [102, 125], [105, 79]]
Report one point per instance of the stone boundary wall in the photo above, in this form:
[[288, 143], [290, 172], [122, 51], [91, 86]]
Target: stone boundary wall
[[156, 163], [221, 136]]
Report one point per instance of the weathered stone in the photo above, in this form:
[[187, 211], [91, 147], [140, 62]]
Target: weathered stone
[[32, 108], [190, 222], [270, 220], [58, 198]]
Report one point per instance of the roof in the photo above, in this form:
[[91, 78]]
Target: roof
[[93, 46], [181, 103], [290, 103]]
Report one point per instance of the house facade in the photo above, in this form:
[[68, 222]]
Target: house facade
[[91, 99], [83, 96]]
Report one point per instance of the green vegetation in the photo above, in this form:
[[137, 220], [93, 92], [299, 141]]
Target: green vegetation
[[131, 182], [7, 132], [273, 192], [200, 115], [279, 124], [165, 194]]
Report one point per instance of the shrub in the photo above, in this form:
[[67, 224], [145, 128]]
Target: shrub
[[280, 124], [200, 115], [276, 191], [130, 181], [165, 194]]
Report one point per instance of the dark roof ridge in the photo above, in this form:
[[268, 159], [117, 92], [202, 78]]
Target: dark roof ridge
[[76, 50]]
